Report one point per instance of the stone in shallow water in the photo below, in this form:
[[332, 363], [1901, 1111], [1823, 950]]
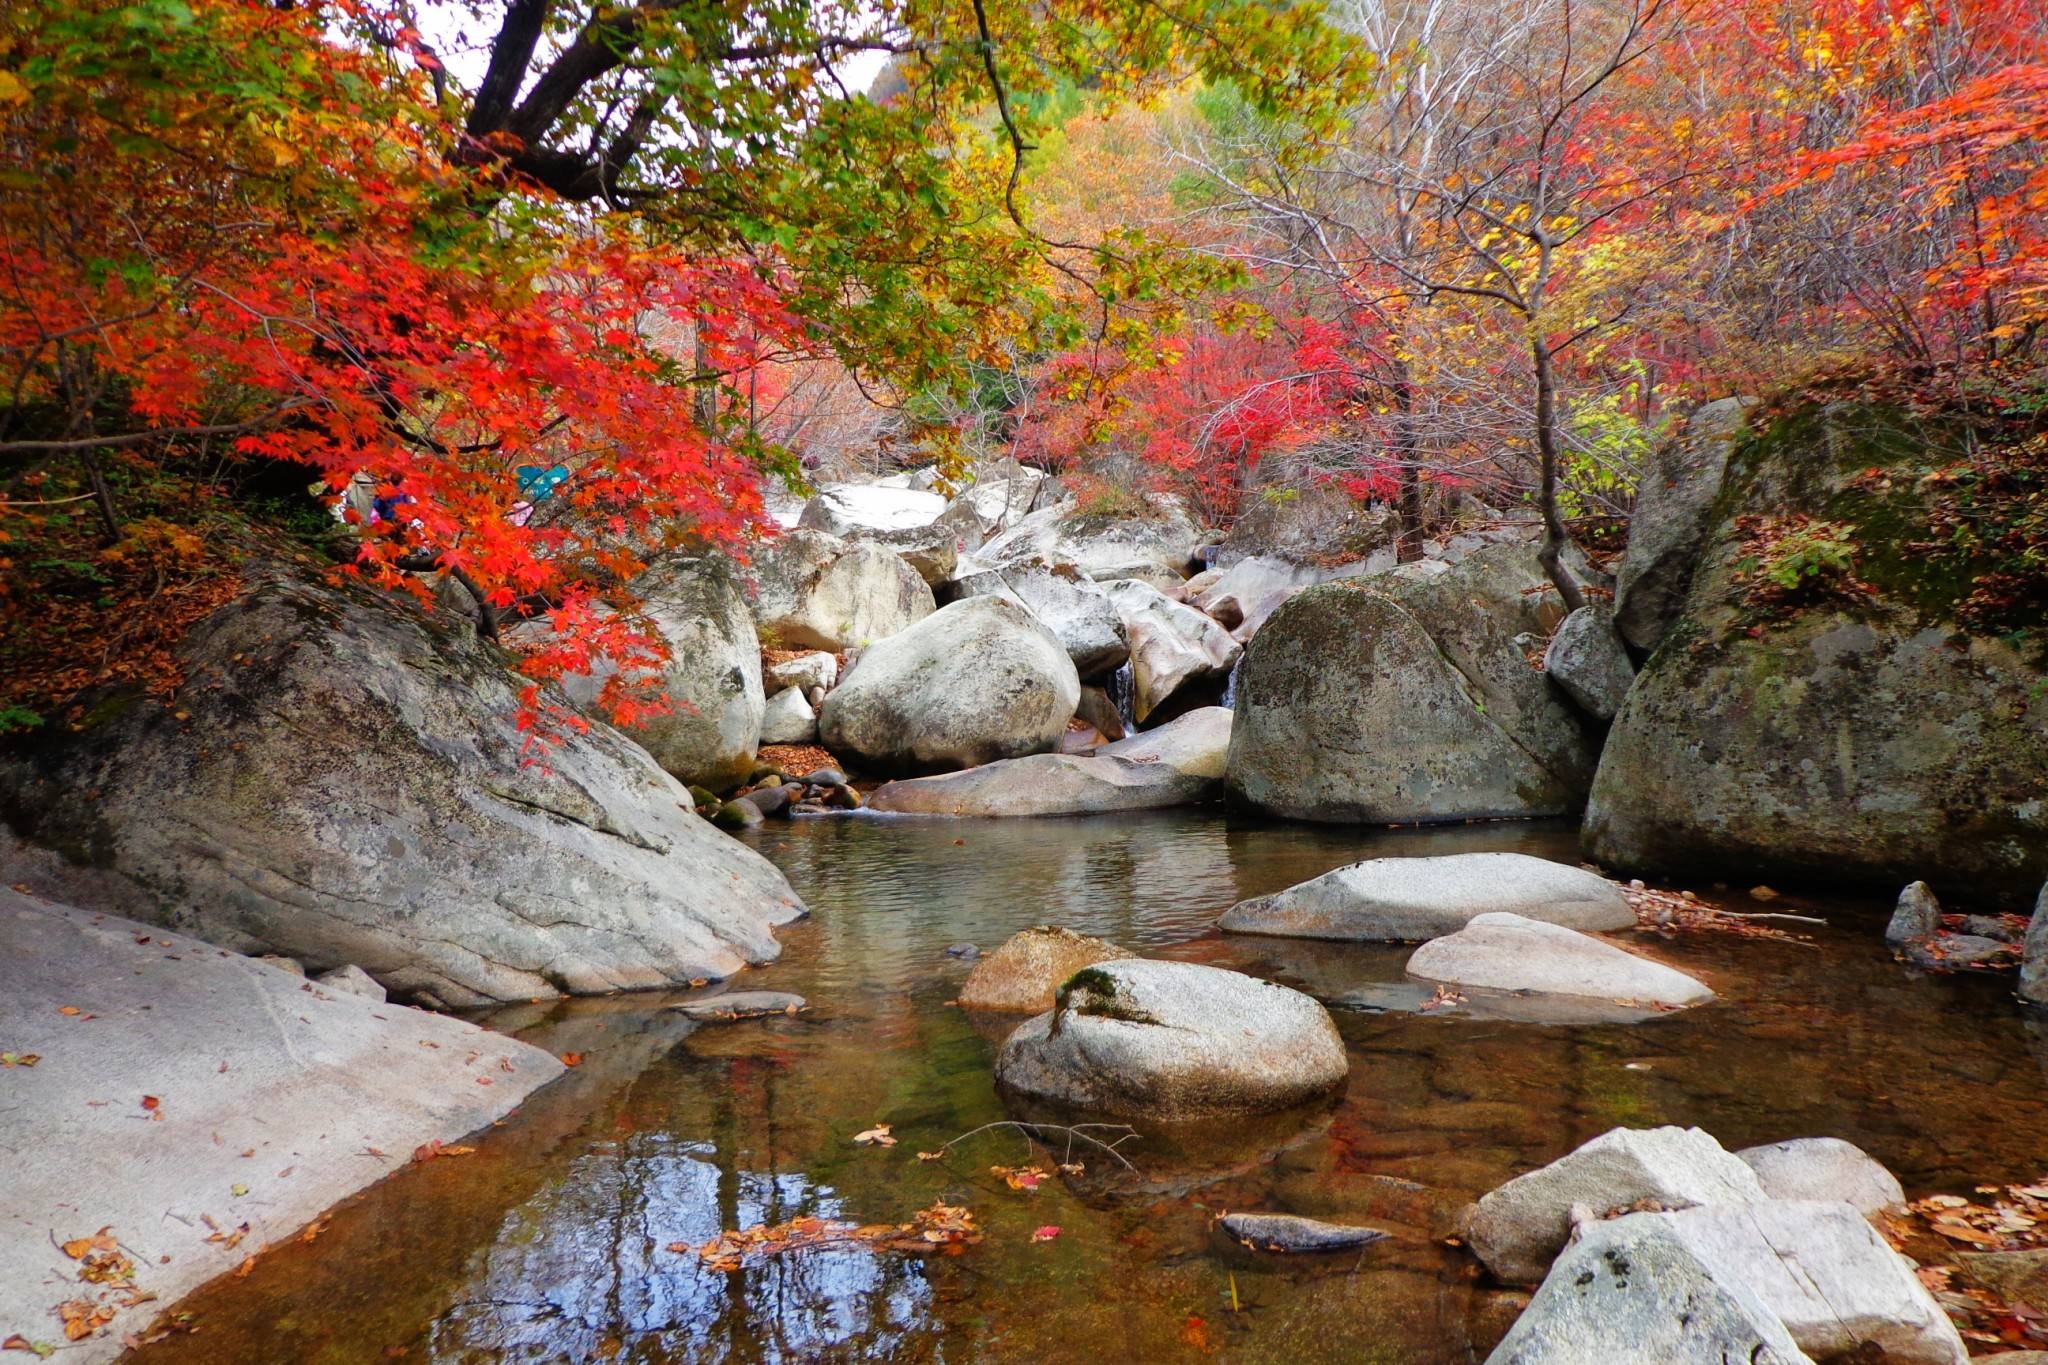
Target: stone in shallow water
[[1023, 975], [1511, 953], [742, 1005], [1918, 916], [1423, 898], [1287, 1232]]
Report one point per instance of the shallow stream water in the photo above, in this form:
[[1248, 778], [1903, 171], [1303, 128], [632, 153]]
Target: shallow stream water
[[550, 1243]]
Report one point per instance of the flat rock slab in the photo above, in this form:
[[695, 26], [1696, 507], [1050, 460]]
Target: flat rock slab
[[1510, 953], [742, 1005], [178, 1083], [1411, 899], [1286, 1232]]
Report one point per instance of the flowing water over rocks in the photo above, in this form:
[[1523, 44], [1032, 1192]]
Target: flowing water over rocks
[[550, 1242]]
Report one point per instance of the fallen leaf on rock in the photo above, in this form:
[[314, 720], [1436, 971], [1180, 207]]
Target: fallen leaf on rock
[[78, 1248], [877, 1136], [229, 1239], [1045, 1234], [434, 1147], [572, 1059], [248, 1264], [154, 1106], [67, 1009], [19, 1058], [238, 1190], [82, 1317], [18, 1342]]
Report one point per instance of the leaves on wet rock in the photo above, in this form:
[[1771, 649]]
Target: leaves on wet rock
[[1944, 1231], [1667, 912], [1024, 1178], [942, 1229], [82, 1317], [434, 1148]]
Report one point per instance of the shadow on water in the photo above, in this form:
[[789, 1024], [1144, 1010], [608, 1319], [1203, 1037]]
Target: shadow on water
[[550, 1243]]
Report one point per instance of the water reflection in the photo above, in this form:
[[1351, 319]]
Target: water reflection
[[550, 1243]]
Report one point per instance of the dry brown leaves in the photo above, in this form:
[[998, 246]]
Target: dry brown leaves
[[434, 1148], [1684, 912], [797, 759], [1944, 1225], [943, 1229]]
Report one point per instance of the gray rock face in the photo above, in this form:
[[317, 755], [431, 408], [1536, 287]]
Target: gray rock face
[[1004, 492], [2034, 954], [1518, 1229], [1674, 505], [803, 673], [1244, 596], [1397, 899], [788, 719], [1509, 953], [1024, 975], [392, 822], [816, 591], [1869, 738], [853, 510], [1174, 1040], [1102, 546], [238, 1057], [1286, 1232], [1315, 524], [977, 681], [1403, 698], [1638, 1296], [1823, 1168], [713, 678], [1917, 916], [1069, 604], [1822, 1270], [1173, 646], [1588, 660], [351, 980]]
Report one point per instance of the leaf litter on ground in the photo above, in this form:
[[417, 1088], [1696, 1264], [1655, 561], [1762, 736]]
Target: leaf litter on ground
[[943, 1229], [1935, 1231]]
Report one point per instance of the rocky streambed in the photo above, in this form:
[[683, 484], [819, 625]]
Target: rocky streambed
[[553, 1240]]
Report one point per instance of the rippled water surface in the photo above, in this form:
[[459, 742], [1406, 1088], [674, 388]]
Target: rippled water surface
[[550, 1243]]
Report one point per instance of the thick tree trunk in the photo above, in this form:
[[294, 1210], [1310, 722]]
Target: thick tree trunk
[[1551, 553]]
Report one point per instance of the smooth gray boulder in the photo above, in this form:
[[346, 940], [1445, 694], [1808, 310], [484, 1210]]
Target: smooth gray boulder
[[352, 980], [712, 680], [1174, 648], [1069, 604], [201, 1107], [1497, 952], [1176, 765], [1410, 899], [1673, 513], [1868, 727], [1519, 1228], [1403, 698], [1822, 1270], [1823, 1168], [1310, 523], [1588, 660], [1638, 1296], [394, 822], [1024, 975], [803, 672], [2033, 986], [816, 591], [1917, 916], [1244, 596], [1103, 545], [1290, 1233], [979, 680], [1174, 1040], [1003, 493], [788, 719]]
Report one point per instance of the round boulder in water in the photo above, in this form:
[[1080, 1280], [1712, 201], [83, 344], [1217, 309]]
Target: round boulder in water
[[1174, 1040]]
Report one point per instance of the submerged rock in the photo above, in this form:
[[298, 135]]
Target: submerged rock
[[1286, 1232], [976, 681], [742, 1005], [1024, 975], [1497, 952], [1519, 1228], [1823, 1168], [236, 1058], [394, 823], [1403, 698], [1639, 1296], [1174, 1040], [1393, 899]]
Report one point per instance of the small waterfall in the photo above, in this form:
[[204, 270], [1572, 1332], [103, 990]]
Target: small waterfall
[[1229, 702], [1123, 695]]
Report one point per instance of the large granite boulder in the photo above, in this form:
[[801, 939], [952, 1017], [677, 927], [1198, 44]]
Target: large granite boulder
[[1525, 957], [338, 781], [1003, 493], [184, 1095], [1178, 764], [1824, 1168], [853, 510], [1244, 596], [1175, 649], [1406, 697], [816, 591], [1410, 899], [1174, 1040], [1519, 1228], [976, 681], [1854, 728], [2033, 986], [1673, 513], [1024, 975], [1154, 547], [712, 680], [1589, 661], [1067, 601], [1314, 523]]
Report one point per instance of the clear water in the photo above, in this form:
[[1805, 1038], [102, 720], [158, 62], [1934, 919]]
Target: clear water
[[549, 1243]]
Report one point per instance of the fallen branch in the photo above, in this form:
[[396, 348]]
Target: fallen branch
[[1035, 1132]]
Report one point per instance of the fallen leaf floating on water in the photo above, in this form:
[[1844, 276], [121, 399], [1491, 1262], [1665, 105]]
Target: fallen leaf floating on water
[[932, 1156], [1024, 1178], [944, 1229], [1045, 1234], [877, 1136], [434, 1147], [1948, 1228]]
